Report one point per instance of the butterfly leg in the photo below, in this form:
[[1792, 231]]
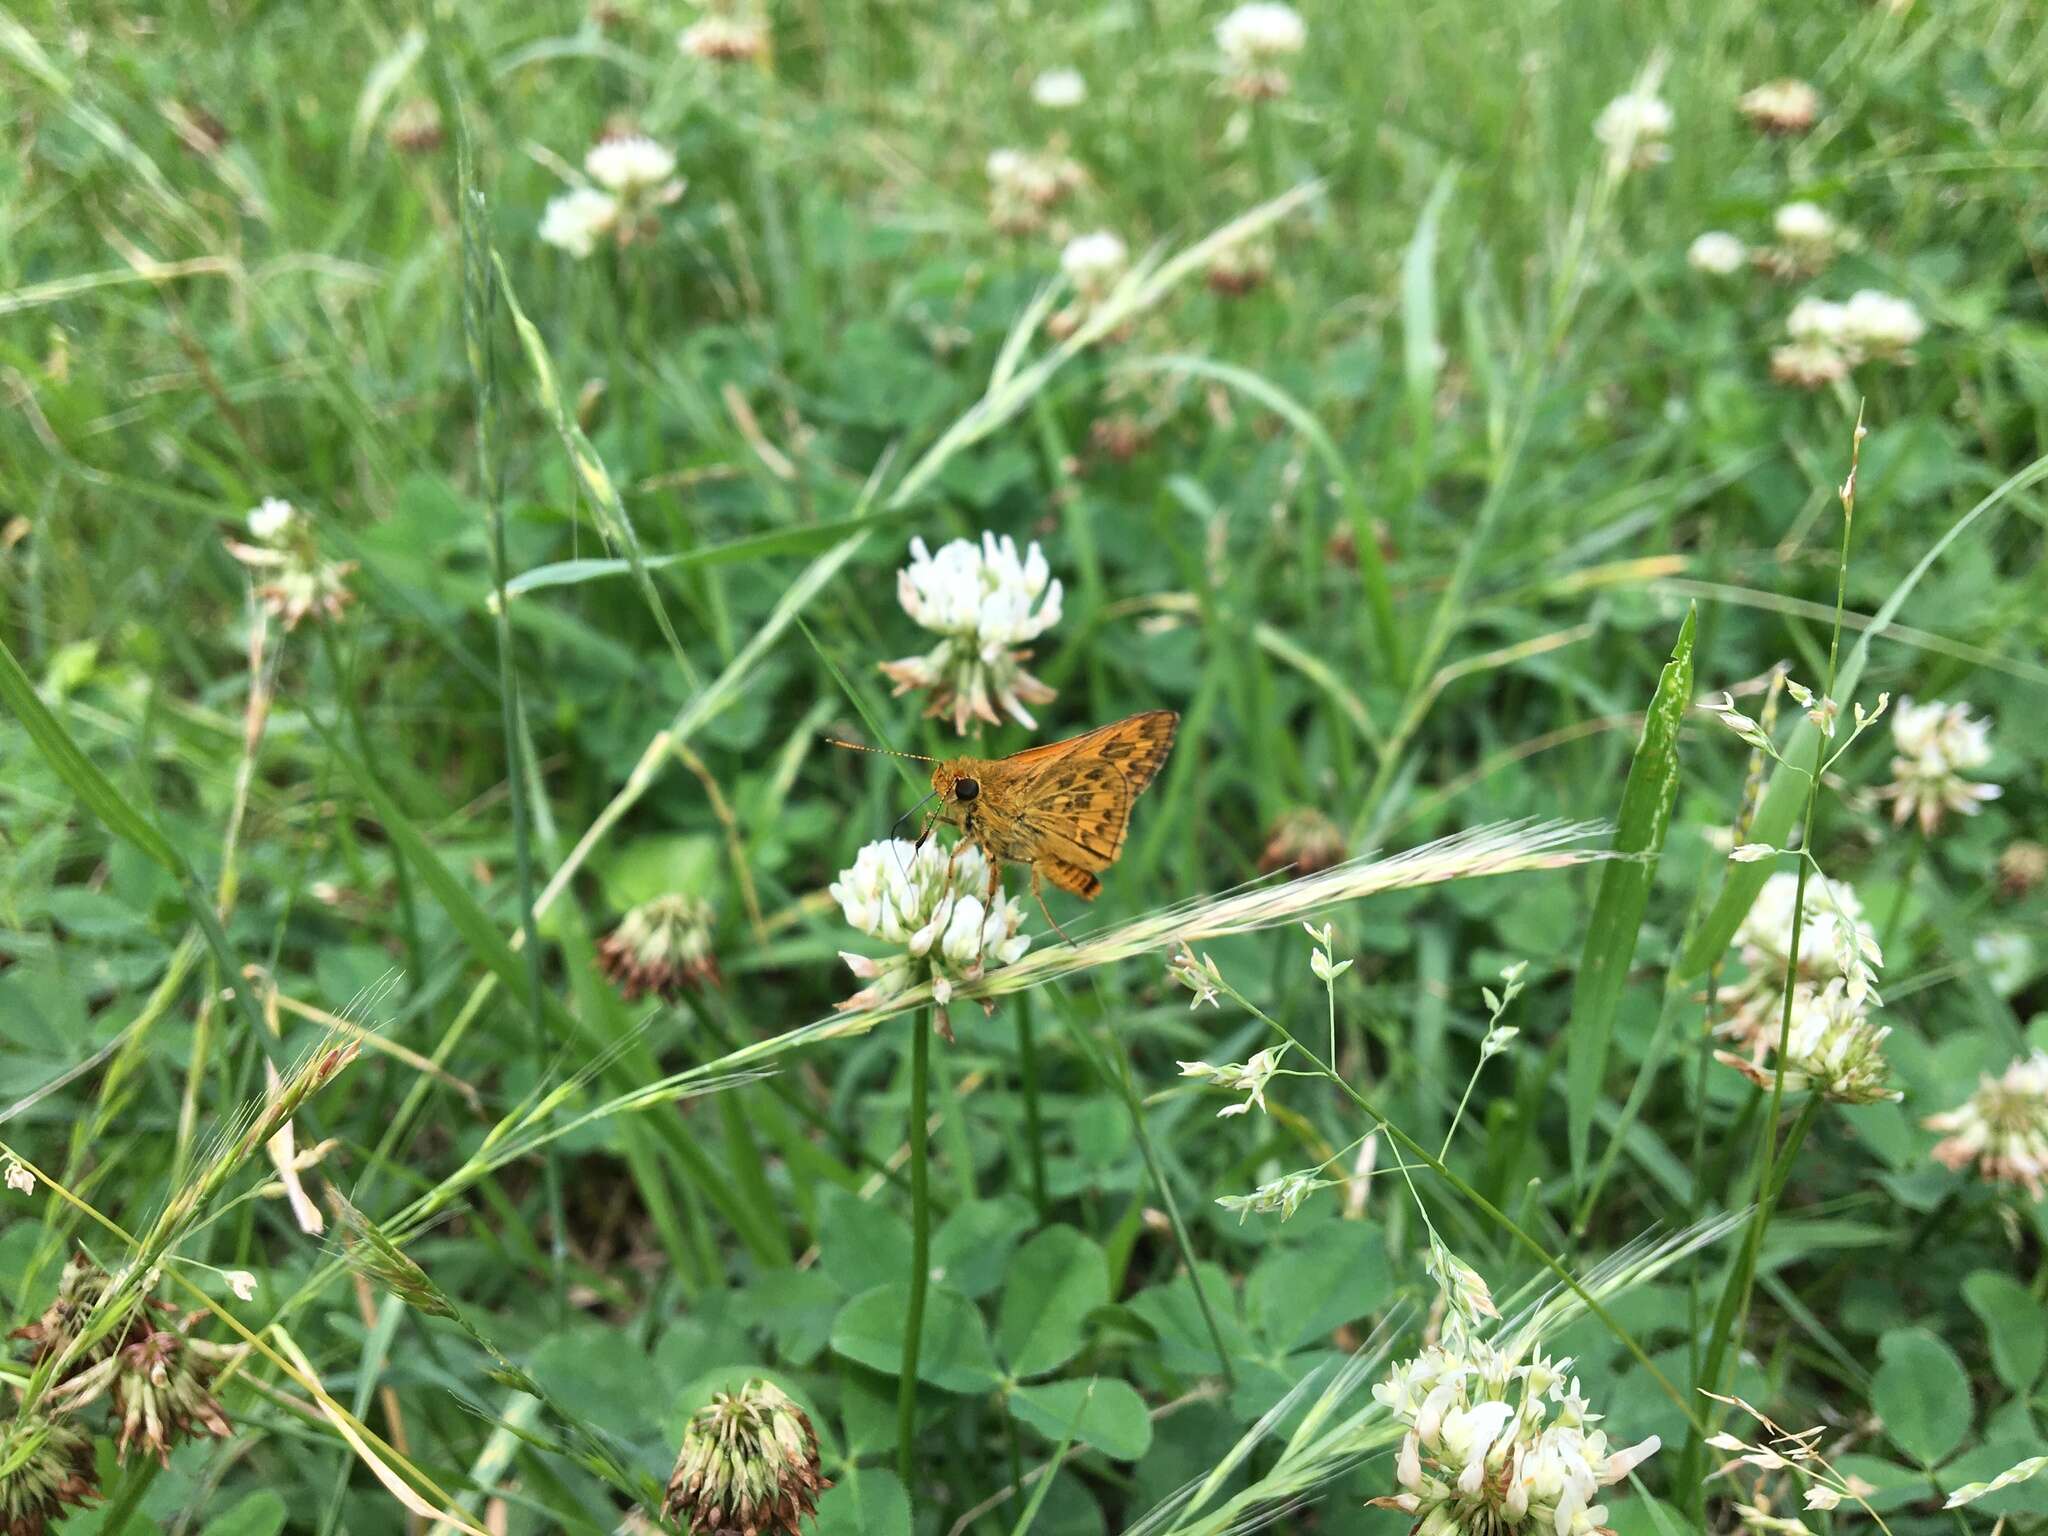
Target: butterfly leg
[[1038, 895]]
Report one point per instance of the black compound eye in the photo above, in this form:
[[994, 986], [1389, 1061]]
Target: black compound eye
[[966, 789]]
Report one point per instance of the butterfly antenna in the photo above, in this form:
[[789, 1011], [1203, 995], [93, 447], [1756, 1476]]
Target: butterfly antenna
[[854, 746]]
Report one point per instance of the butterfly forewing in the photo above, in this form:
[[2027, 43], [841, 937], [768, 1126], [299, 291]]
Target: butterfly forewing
[[1072, 799]]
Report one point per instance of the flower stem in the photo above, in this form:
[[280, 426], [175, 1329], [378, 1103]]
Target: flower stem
[[920, 1243]]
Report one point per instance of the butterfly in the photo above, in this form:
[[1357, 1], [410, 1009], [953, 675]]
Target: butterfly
[[1064, 809]]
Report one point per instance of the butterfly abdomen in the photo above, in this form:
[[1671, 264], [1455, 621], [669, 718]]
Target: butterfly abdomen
[[1069, 877]]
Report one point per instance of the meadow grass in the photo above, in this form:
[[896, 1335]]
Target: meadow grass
[[1440, 533]]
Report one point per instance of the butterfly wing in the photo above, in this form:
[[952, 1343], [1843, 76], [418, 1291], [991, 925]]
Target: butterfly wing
[[1136, 746], [1074, 797]]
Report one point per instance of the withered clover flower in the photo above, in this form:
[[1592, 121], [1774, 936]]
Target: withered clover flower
[[46, 1467], [2002, 1128], [299, 582], [158, 1374], [748, 1466], [1302, 841], [662, 946]]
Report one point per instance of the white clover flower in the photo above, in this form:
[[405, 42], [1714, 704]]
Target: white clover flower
[[933, 904], [1257, 40], [985, 601], [1937, 744], [1809, 364], [1804, 223], [1817, 320], [632, 166], [1881, 325], [2002, 1128], [1249, 1078], [1496, 1444], [1093, 262], [271, 518], [19, 1178], [1781, 106], [1059, 89], [1636, 129], [1024, 186], [1717, 253], [242, 1283], [298, 581], [577, 219], [1832, 1048], [722, 39], [1835, 944]]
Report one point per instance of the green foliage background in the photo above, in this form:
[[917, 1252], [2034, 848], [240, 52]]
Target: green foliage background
[[220, 281]]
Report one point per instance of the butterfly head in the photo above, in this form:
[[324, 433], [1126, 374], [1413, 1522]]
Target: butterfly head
[[956, 783]]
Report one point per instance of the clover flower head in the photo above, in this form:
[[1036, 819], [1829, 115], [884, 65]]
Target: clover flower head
[[1301, 842], [270, 518], [1785, 106], [1818, 321], [1937, 744], [630, 165], [663, 947], [158, 1375], [1023, 186], [1257, 41], [1804, 223], [1717, 253], [1635, 128], [576, 220], [1808, 364], [748, 1462], [1496, 1443], [2002, 1128], [1835, 944], [1834, 1048], [2022, 866], [984, 601], [1059, 89], [50, 1470], [415, 128], [1094, 261], [1881, 325], [721, 38], [945, 917], [298, 582], [1242, 267]]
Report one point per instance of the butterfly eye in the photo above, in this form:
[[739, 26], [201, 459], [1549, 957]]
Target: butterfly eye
[[966, 789]]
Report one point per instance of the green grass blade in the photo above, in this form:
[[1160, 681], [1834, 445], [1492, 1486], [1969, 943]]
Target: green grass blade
[[596, 480], [77, 770], [1624, 892], [1379, 595], [782, 541]]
